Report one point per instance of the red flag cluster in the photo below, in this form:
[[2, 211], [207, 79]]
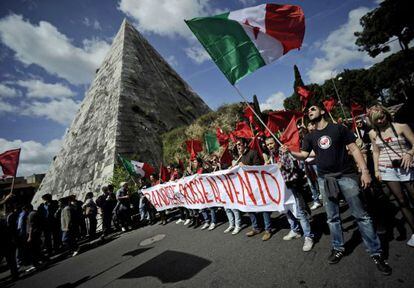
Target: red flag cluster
[[193, 147], [9, 161], [279, 120]]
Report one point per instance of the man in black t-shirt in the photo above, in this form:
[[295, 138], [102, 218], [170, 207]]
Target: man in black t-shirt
[[337, 174]]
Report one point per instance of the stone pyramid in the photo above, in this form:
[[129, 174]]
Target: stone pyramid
[[135, 97]]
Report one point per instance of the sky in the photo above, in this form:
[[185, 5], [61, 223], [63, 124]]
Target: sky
[[49, 51]]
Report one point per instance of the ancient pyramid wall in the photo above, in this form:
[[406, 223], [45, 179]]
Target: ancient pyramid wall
[[135, 97]]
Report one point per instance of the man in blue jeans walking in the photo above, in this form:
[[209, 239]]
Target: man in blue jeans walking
[[337, 174]]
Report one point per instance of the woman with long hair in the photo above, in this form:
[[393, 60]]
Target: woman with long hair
[[393, 150]]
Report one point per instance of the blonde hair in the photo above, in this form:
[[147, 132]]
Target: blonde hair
[[376, 112]]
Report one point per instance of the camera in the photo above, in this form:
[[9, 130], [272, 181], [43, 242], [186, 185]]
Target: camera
[[396, 163]]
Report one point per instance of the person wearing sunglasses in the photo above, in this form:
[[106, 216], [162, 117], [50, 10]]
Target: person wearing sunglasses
[[337, 174]]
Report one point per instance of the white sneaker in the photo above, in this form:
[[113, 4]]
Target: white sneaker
[[315, 205], [205, 226], [229, 229], [212, 226], [411, 241], [179, 221], [123, 229], [308, 244], [236, 230], [30, 269], [75, 253], [291, 235], [187, 221]]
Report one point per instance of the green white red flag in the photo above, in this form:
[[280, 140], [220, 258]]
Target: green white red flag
[[137, 168], [242, 41]]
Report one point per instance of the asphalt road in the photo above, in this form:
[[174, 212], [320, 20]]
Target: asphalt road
[[177, 256]]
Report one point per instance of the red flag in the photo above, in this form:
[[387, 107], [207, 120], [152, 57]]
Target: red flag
[[304, 95], [329, 104], [222, 137], [164, 174], [243, 131], [193, 147], [255, 145], [290, 136], [9, 161], [248, 113], [181, 164], [356, 109], [279, 120], [226, 158]]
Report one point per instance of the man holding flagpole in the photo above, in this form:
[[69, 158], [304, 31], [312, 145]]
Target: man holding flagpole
[[337, 174]]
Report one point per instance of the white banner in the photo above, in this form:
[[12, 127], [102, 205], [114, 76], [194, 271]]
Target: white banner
[[247, 188]]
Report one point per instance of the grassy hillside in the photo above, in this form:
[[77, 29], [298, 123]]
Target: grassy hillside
[[225, 117]]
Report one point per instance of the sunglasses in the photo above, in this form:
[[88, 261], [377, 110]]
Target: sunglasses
[[312, 109]]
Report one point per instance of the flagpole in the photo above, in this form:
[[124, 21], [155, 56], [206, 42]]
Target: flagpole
[[159, 175], [339, 98], [258, 117], [330, 115], [12, 186]]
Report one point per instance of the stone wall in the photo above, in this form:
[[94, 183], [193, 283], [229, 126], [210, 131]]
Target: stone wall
[[135, 97]]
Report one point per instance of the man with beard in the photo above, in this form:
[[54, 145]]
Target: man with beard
[[337, 174]]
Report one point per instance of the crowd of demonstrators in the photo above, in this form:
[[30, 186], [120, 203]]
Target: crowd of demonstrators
[[332, 165]]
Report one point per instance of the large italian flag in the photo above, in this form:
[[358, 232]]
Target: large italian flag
[[137, 168], [242, 41]]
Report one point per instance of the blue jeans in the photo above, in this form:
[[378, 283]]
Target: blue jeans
[[350, 190], [302, 213], [313, 185], [234, 217], [266, 219], [209, 218]]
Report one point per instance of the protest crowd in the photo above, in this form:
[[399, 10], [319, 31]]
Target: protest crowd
[[336, 164]]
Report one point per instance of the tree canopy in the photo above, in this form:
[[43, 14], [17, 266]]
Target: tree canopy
[[391, 19]]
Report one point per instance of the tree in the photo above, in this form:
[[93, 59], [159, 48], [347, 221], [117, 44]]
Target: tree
[[392, 19], [293, 102]]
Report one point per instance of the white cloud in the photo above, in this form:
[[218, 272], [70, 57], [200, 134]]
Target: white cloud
[[248, 2], [164, 17], [6, 107], [45, 46], [39, 89], [273, 102], [94, 24], [34, 156], [339, 49], [197, 53], [8, 92], [61, 111]]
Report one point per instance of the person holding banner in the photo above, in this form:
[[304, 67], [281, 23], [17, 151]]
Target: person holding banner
[[293, 177], [337, 174], [196, 167], [251, 157]]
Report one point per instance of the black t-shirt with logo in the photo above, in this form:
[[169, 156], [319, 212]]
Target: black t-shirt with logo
[[329, 145]]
